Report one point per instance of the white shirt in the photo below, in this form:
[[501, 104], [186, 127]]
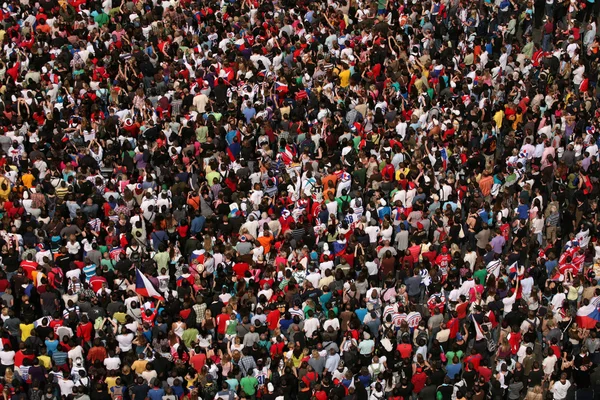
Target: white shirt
[[7, 357], [66, 386], [75, 352], [310, 326], [560, 389], [548, 364], [112, 363], [372, 231], [125, 341], [527, 285], [314, 278], [508, 302]]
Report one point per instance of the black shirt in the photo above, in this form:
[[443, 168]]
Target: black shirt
[[535, 377]]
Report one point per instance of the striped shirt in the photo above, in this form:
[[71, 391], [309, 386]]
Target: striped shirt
[[413, 319], [89, 271], [60, 357], [493, 267], [553, 219]]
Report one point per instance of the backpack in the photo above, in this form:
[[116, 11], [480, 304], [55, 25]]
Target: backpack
[[350, 158], [491, 343], [345, 202], [422, 336], [117, 392], [135, 255], [35, 394], [209, 391]]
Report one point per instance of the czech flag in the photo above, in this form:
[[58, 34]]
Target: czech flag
[[144, 287], [588, 316], [479, 335], [339, 247], [444, 157]]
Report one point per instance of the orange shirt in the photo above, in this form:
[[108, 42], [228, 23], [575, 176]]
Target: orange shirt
[[485, 184], [266, 243], [325, 181], [194, 202]]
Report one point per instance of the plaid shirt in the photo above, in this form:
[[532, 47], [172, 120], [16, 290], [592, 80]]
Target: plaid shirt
[[199, 309], [246, 363]]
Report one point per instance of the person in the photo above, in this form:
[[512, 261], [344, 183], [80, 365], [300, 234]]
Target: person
[[299, 199]]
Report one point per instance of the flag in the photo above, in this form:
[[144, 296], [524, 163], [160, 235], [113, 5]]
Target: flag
[[281, 88], [339, 247], [588, 316], [478, 332], [513, 268], [144, 287], [444, 157]]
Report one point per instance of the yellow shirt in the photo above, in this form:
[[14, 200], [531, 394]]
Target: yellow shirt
[[25, 331], [120, 317], [499, 117], [111, 381], [27, 180], [345, 78], [45, 361], [139, 366]]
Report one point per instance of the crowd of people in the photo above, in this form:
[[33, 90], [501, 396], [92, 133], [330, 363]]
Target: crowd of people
[[295, 200]]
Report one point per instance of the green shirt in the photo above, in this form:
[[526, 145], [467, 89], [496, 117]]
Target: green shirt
[[211, 176], [480, 275], [189, 337], [108, 263], [102, 19], [249, 384], [162, 259], [450, 355]]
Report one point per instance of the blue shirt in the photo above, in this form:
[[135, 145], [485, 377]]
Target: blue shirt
[[453, 369], [361, 313], [523, 211], [197, 224], [249, 113], [156, 394], [51, 346]]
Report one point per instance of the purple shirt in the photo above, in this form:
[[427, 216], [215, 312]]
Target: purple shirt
[[497, 243]]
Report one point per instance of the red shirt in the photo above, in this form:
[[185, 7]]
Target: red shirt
[[453, 326], [405, 350], [321, 395], [419, 380], [556, 350], [277, 349], [475, 360], [222, 322], [485, 372], [84, 331], [515, 342], [29, 267], [149, 318], [461, 310], [273, 319], [55, 324], [96, 283], [198, 361], [240, 269], [19, 357]]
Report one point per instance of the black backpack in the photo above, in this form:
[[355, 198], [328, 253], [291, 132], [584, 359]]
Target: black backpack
[[135, 255]]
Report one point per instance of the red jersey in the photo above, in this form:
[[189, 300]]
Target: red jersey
[[222, 323]]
